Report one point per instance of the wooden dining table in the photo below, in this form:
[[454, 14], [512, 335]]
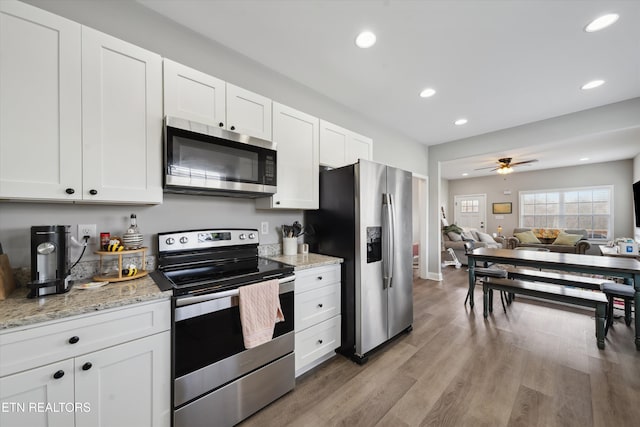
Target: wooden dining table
[[627, 269]]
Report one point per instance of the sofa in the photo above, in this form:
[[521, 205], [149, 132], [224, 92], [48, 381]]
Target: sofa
[[478, 240], [547, 237]]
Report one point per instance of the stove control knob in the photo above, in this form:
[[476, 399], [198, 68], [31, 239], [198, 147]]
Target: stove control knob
[[242, 236], [252, 236], [183, 240], [170, 241]]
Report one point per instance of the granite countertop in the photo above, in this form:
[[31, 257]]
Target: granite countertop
[[18, 310], [302, 262]]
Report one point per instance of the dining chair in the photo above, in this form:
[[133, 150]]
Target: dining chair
[[483, 272], [617, 290]]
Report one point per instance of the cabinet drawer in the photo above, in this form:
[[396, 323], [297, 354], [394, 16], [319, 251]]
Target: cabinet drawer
[[52, 341], [316, 306], [317, 341], [317, 277]]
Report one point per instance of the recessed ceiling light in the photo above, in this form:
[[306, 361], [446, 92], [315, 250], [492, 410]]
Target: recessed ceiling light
[[365, 39], [465, 174], [427, 93], [601, 22], [592, 84], [460, 122], [584, 159]]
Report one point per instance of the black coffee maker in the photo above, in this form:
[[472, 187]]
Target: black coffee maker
[[49, 260]]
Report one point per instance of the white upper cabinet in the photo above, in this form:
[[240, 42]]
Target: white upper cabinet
[[121, 121], [248, 113], [193, 95], [40, 110], [340, 146], [80, 112], [296, 136]]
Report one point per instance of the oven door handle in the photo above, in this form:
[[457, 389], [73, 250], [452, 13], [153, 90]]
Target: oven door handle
[[286, 285]]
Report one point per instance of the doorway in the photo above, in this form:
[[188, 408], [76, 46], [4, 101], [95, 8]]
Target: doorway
[[470, 211], [420, 233]]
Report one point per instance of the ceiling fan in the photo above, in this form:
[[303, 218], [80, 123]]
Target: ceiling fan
[[505, 166]]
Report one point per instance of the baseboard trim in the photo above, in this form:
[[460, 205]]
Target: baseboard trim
[[434, 276]]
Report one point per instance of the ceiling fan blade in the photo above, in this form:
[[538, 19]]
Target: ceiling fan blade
[[524, 162], [488, 167]]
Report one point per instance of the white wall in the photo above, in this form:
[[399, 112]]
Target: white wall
[[130, 21], [618, 174]]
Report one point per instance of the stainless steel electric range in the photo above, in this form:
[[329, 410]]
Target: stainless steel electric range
[[216, 381]]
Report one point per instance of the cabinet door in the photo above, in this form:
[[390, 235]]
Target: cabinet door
[[126, 385], [122, 120], [193, 95], [40, 128], [24, 397], [248, 113], [333, 143], [358, 147], [296, 136]]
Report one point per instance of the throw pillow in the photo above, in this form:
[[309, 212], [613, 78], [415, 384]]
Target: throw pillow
[[467, 236], [486, 238], [527, 237], [454, 237], [567, 239], [452, 227]]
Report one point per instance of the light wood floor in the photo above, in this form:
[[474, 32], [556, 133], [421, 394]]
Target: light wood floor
[[538, 365]]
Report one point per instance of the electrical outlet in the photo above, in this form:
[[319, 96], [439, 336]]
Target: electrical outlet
[[264, 227], [87, 230]]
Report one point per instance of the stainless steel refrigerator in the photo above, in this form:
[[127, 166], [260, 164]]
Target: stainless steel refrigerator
[[365, 217]]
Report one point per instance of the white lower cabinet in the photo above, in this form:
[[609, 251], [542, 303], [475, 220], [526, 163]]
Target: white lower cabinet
[[124, 384], [317, 316]]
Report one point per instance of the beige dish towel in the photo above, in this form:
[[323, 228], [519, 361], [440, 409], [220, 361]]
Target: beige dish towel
[[259, 311]]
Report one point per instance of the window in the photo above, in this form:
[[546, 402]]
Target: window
[[587, 208], [469, 206]]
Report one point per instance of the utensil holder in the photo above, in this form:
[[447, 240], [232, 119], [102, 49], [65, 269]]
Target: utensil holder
[[289, 245]]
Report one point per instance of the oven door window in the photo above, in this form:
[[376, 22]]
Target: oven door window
[[205, 160], [209, 338]]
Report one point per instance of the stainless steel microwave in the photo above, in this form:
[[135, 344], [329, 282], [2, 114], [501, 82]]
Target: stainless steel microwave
[[203, 159]]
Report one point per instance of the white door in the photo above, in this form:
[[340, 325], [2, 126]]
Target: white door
[[358, 147], [333, 143], [40, 111], [296, 135], [24, 396], [122, 120], [193, 95], [248, 113], [126, 385], [471, 211]]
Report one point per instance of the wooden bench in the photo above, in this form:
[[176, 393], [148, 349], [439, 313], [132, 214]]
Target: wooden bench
[[557, 278], [579, 297]]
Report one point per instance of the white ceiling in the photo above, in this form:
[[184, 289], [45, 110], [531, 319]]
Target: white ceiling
[[499, 64]]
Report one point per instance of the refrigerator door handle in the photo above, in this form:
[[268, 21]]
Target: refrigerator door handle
[[387, 248], [392, 238]]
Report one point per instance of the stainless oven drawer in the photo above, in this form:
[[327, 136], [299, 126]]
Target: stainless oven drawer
[[236, 401], [210, 377]]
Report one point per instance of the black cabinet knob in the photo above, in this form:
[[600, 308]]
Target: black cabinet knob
[[277, 203], [319, 341], [58, 374], [69, 191], [233, 128], [74, 340], [319, 277], [87, 366], [320, 305], [93, 192], [221, 124]]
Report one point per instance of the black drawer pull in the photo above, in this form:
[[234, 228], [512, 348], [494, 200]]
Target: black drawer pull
[[87, 366], [233, 128], [221, 124], [69, 191], [320, 305], [93, 192], [319, 341], [74, 340], [319, 277], [58, 374]]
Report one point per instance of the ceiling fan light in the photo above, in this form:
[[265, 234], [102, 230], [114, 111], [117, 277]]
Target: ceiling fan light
[[505, 170]]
